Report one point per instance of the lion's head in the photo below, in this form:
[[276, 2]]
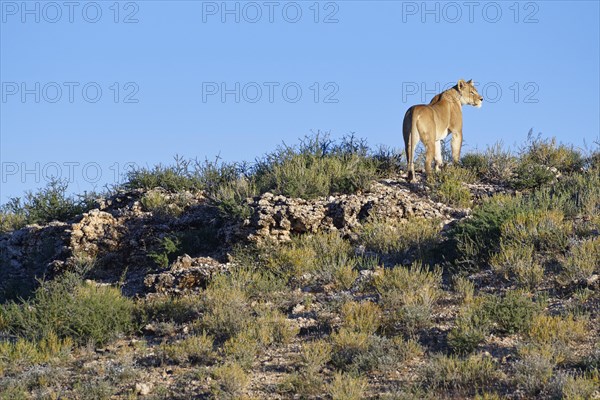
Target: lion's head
[[468, 93]]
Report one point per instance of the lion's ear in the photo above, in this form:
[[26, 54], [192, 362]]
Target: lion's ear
[[461, 84], [470, 81]]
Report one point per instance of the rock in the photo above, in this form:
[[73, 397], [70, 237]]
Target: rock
[[186, 274], [143, 389]]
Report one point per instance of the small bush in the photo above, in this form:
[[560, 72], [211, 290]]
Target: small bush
[[308, 381], [456, 373], [573, 387], [518, 260], [408, 295], [271, 326], [347, 387], [241, 349], [226, 309], [46, 205], [316, 167], [323, 255], [556, 330], [547, 153], [70, 308], [475, 239], [512, 313], [471, 327], [465, 288], [547, 230], [182, 176], [581, 262], [347, 345], [171, 309], [385, 354], [534, 371], [231, 381], [448, 186], [196, 349], [364, 317], [529, 175]]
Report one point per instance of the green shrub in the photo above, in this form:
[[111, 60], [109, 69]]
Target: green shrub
[[71, 308], [316, 167], [547, 153], [473, 240], [529, 175], [472, 325], [408, 295], [448, 186], [48, 204], [512, 313], [323, 255], [242, 349], [182, 176]]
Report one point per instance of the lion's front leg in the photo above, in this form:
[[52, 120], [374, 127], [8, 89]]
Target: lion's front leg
[[456, 144]]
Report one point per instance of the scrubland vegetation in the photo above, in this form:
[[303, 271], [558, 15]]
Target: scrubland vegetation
[[501, 304]]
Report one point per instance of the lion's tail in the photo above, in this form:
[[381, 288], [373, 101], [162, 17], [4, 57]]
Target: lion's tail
[[408, 130]]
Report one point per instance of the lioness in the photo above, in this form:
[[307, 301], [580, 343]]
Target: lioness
[[432, 122]]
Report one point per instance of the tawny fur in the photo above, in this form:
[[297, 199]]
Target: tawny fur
[[431, 123]]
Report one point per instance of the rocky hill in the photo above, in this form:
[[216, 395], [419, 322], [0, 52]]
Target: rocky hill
[[475, 283]]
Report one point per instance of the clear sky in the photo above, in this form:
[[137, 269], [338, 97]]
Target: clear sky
[[88, 87]]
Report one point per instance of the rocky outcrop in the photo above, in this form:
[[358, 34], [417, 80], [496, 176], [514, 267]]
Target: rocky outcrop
[[123, 232], [278, 217], [185, 274]]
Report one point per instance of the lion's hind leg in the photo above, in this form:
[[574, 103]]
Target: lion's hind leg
[[439, 161]]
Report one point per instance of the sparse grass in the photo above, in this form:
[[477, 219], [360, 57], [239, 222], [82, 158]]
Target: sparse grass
[[226, 309], [398, 237], [577, 387], [581, 262], [196, 349], [23, 353], [347, 387], [450, 372]]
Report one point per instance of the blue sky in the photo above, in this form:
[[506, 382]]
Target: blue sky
[[89, 87]]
